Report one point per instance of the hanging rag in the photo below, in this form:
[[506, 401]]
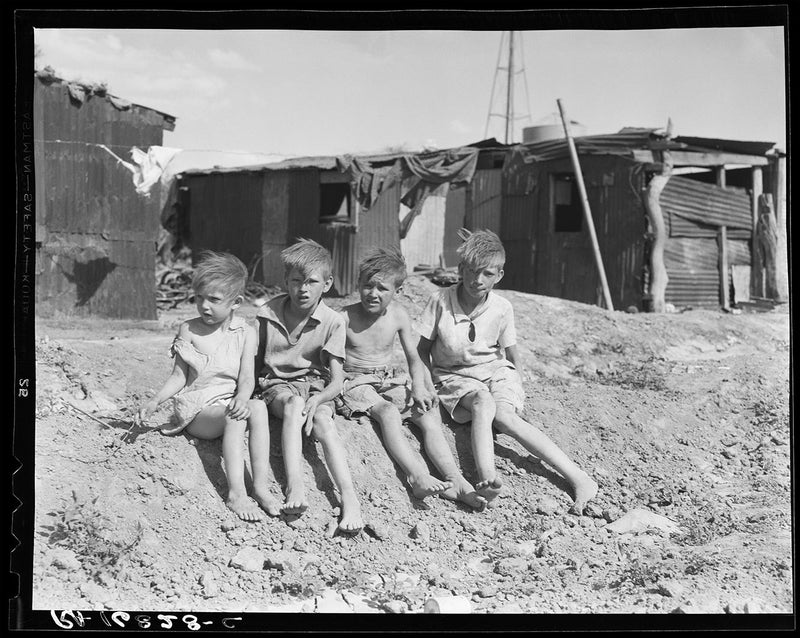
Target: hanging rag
[[456, 166], [147, 167], [150, 166], [425, 173]]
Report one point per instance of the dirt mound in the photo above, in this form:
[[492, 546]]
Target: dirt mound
[[681, 418]]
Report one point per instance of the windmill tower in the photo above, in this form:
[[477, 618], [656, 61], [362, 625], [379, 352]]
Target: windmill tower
[[511, 44]]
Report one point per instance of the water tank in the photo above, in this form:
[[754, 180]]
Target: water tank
[[544, 132]]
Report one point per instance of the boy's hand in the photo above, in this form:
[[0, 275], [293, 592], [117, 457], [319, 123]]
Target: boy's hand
[[308, 412], [145, 412], [237, 408], [424, 397]]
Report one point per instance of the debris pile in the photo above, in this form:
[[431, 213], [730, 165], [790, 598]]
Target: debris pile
[[174, 284], [439, 275]]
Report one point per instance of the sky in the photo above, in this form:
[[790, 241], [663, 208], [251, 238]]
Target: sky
[[303, 92]]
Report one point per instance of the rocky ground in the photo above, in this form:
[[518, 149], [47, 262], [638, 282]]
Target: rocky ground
[[683, 420]]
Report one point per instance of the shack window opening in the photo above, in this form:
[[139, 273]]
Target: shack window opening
[[334, 202], [567, 212]]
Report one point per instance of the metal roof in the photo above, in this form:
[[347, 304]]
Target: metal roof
[[725, 146]]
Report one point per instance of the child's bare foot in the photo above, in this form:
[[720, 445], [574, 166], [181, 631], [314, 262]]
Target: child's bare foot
[[244, 507], [489, 489], [266, 501], [351, 522], [427, 485], [295, 502], [464, 492], [585, 490]]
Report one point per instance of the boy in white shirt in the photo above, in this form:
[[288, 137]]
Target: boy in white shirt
[[468, 339]]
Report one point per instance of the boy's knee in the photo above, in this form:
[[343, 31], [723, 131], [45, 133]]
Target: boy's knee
[[482, 398], [383, 410], [257, 407], [294, 403], [323, 425], [505, 419]]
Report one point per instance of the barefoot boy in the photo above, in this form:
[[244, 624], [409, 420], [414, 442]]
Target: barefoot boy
[[302, 373], [212, 380], [468, 338], [371, 386]]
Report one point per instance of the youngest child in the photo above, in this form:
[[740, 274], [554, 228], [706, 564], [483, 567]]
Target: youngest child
[[212, 380]]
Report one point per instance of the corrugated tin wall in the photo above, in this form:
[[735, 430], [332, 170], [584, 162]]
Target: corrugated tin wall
[[485, 200], [424, 242], [225, 214], [694, 213], [97, 235], [562, 265], [377, 227], [274, 225], [454, 219]]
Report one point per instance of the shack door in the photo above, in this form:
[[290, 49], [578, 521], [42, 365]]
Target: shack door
[[572, 273]]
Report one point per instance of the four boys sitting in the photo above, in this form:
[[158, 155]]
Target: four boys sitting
[[313, 361]]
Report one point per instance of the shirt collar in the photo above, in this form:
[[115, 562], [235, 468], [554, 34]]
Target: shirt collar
[[458, 311], [273, 310], [237, 323]]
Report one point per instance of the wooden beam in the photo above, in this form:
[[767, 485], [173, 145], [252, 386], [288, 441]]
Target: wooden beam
[[782, 260], [720, 174], [695, 158], [587, 212], [723, 267], [758, 189]]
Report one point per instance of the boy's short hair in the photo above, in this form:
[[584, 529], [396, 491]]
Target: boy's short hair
[[307, 255], [384, 262], [220, 271], [482, 248]]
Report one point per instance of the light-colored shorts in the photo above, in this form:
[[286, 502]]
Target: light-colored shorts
[[505, 386], [302, 387], [364, 388]]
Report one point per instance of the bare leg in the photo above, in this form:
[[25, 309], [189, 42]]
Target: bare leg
[[290, 409], [212, 421], [482, 407], [258, 423], [440, 454], [336, 459], [535, 441], [421, 482]]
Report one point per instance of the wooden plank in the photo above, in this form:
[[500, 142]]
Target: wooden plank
[[720, 175], [723, 266], [695, 158]]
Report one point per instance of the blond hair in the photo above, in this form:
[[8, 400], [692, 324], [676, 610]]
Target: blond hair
[[220, 271], [383, 262], [307, 255], [482, 248]]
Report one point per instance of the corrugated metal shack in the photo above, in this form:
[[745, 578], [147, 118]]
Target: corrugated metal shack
[[549, 249], [95, 235], [526, 193], [256, 211]]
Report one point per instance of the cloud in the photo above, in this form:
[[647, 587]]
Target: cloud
[[457, 126], [113, 42], [230, 60]]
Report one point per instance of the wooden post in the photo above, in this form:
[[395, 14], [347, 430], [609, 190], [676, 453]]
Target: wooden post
[[767, 240], [587, 212], [781, 258], [757, 281], [720, 172], [658, 271], [723, 267]]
